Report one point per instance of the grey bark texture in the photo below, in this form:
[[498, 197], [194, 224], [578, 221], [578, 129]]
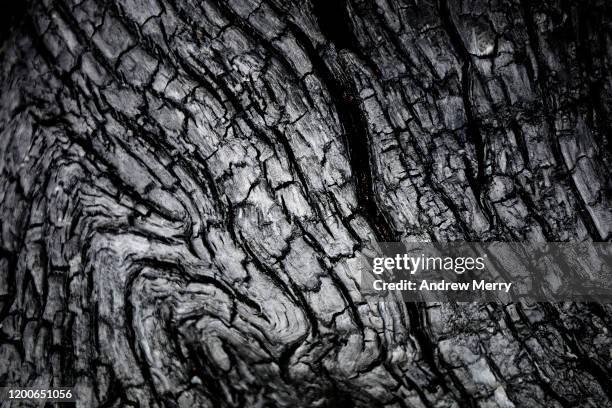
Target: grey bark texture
[[184, 187]]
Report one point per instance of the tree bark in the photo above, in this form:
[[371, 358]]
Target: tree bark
[[185, 187]]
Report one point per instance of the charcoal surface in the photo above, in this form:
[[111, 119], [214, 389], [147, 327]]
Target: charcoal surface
[[185, 188]]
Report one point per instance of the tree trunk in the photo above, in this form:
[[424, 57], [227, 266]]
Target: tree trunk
[[185, 187]]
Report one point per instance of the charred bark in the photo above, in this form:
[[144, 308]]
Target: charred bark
[[185, 185]]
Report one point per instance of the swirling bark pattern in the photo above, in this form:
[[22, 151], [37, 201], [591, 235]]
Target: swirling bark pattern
[[185, 184]]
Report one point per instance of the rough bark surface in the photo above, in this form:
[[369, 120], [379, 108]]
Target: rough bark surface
[[184, 186]]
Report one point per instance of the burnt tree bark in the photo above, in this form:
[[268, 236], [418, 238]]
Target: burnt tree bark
[[184, 187]]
